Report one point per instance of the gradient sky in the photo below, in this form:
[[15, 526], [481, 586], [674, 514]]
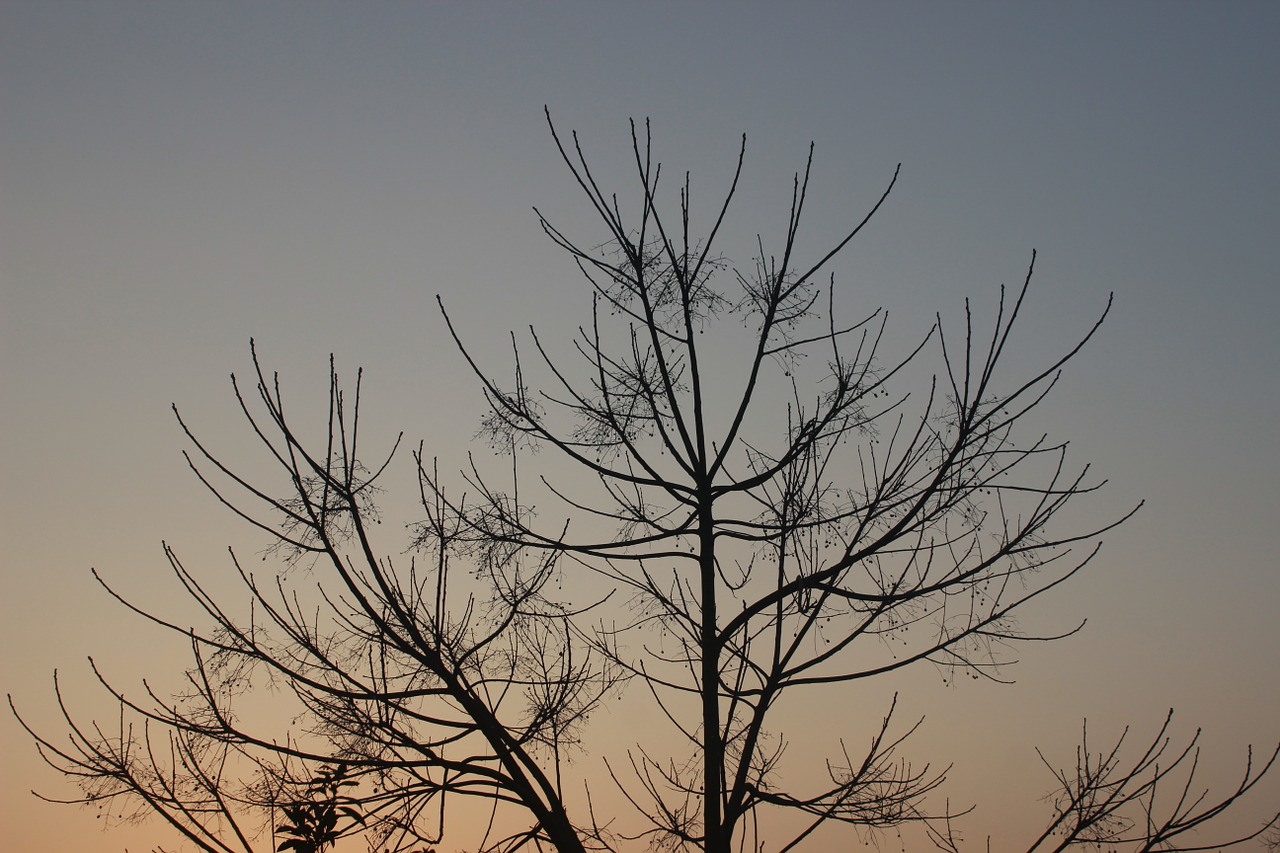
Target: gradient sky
[[178, 178]]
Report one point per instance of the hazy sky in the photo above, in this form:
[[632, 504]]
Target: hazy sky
[[177, 178]]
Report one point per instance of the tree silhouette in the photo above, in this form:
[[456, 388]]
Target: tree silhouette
[[703, 523]]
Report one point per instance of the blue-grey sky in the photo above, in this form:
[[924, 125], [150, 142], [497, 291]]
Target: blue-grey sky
[[178, 178]]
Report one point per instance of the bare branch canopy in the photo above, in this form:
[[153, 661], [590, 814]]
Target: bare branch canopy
[[727, 488]]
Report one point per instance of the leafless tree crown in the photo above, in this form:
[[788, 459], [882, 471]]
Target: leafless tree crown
[[708, 526]]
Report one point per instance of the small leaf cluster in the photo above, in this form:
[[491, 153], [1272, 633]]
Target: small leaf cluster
[[312, 824]]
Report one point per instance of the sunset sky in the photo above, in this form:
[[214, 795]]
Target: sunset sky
[[177, 178]]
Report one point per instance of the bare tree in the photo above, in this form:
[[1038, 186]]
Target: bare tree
[[1144, 802], [1106, 801], [766, 515], [419, 698]]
